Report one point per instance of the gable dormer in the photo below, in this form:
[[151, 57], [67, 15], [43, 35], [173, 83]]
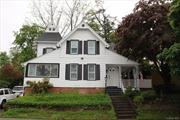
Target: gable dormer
[[83, 40], [47, 41]]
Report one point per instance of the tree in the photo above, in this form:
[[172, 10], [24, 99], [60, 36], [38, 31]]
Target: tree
[[64, 14], [4, 59], [145, 33], [9, 76], [172, 56], [102, 23], [174, 16], [25, 39]]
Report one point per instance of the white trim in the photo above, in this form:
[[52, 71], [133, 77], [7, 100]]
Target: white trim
[[74, 47], [86, 27], [92, 72], [74, 72]]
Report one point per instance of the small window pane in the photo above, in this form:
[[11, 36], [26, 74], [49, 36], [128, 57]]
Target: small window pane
[[91, 68], [48, 50], [91, 76], [73, 76], [1, 92], [6, 92], [32, 70], [54, 70], [43, 69], [74, 47], [91, 47], [10, 91]]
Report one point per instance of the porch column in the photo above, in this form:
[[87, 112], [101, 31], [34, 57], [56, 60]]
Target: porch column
[[137, 76], [120, 77]]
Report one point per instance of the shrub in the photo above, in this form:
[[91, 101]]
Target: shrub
[[40, 86], [149, 95], [138, 99], [131, 93]]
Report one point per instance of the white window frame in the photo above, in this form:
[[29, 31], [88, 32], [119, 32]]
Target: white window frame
[[74, 47], [34, 75], [94, 72], [51, 49], [76, 72], [35, 71], [91, 47]]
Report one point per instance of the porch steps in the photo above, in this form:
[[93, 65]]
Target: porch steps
[[122, 106]]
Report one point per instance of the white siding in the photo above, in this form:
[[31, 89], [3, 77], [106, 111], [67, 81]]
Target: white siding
[[60, 56], [40, 47]]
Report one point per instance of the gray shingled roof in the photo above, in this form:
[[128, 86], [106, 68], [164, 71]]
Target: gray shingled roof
[[50, 36]]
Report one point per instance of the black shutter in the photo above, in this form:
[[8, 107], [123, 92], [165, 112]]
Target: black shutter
[[79, 72], [85, 47], [26, 71], [97, 47], [68, 47], [80, 47], [44, 51], [67, 74], [85, 72], [97, 72]]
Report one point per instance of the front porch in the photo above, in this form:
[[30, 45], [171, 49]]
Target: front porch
[[124, 76]]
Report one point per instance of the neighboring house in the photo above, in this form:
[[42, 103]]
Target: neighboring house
[[80, 61]]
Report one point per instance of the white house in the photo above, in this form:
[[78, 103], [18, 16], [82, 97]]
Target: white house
[[80, 61]]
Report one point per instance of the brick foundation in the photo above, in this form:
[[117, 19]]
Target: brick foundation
[[71, 90]]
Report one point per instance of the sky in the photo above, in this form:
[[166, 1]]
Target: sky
[[14, 13]]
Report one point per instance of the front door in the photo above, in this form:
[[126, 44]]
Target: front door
[[113, 76]]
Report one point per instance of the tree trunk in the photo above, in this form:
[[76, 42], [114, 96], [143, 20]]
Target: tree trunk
[[165, 74]]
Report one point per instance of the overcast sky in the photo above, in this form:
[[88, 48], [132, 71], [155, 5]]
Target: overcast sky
[[13, 14]]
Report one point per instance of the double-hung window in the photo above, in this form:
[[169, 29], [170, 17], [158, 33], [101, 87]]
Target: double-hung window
[[91, 72], [74, 47], [73, 71], [92, 47]]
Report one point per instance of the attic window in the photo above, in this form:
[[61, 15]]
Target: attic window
[[83, 25]]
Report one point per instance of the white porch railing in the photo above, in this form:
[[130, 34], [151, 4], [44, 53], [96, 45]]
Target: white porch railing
[[145, 83], [136, 83]]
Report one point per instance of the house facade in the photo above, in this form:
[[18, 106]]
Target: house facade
[[81, 61]]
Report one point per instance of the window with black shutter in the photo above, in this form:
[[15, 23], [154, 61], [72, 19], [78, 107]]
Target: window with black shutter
[[91, 47], [91, 72], [74, 47], [73, 72]]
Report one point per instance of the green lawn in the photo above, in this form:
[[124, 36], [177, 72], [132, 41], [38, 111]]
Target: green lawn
[[63, 101], [69, 106], [56, 115]]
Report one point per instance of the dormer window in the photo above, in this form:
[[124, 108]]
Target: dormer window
[[47, 50], [74, 47]]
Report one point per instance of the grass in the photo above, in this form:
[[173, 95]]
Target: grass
[[68, 100], [57, 115]]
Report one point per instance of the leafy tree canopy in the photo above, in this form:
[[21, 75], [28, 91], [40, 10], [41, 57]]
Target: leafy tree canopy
[[25, 47], [102, 23], [145, 33], [174, 16], [172, 56], [4, 59]]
